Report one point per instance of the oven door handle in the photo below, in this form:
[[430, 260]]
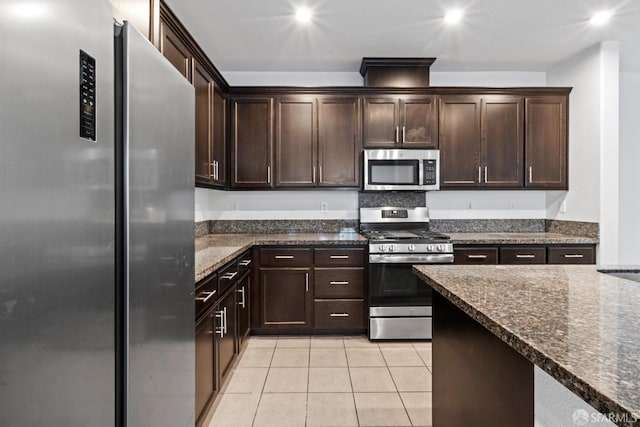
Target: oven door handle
[[411, 259]]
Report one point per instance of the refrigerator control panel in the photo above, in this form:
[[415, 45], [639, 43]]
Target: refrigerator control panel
[[87, 97]]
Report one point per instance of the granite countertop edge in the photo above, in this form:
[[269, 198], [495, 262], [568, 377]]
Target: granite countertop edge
[[541, 238], [558, 371]]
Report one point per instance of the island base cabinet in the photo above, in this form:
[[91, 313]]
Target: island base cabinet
[[478, 380]]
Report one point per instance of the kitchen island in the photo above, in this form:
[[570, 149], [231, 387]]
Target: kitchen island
[[492, 324]]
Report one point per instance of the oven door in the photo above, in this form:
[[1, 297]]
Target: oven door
[[395, 285]]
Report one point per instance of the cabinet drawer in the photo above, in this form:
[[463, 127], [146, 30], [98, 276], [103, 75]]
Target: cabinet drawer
[[523, 255], [339, 314], [206, 294], [227, 276], [339, 257], [475, 255], [285, 257], [244, 263], [339, 282], [572, 255]]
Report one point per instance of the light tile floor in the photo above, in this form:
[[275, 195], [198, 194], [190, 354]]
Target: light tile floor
[[328, 381]]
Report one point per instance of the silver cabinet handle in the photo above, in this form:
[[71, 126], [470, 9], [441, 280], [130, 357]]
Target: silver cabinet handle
[[573, 256], [220, 329], [229, 276], [215, 169], [530, 174], [242, 302], [314, 175], [205, 299], [403, 134], [525, 256], [339, 256], [268, 174], [245, 262], [486, 174], [339, 282], [320, 173], [479, 174], [306, 282], [397, 133], [476, 256], [339, 315], [284, 257]]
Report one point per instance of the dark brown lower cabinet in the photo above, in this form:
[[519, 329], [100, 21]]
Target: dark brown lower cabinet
[[525, 254], [244, 286], [225, 328], [286, 298], [206, 384]]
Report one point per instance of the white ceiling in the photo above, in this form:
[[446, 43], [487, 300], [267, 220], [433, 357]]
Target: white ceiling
[[504, 35]]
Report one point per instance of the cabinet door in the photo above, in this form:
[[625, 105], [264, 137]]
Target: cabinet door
[[459, 141], [203, 83], [296, 142], [339, 142], [243, 290], [205, 377], [546, 142], [175, 50], [219, 137], [419, 122], [502, 141], [285, 298], [252, 127], [225, 320], [381, 122]]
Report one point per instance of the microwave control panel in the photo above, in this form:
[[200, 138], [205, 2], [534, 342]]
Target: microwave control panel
[[429, 169]]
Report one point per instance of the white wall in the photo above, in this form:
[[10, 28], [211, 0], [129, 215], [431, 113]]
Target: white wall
[[293, 78], [629, 168], [488, 78]]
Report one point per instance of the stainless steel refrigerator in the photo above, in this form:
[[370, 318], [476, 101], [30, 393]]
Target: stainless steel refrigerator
[[96, 222]]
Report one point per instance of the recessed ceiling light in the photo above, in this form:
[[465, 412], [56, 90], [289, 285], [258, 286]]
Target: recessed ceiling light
[[453, 16], [303, 14], [601, 17]]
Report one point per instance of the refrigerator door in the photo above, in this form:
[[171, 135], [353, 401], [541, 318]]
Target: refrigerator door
[[159, 210], [56, 217]]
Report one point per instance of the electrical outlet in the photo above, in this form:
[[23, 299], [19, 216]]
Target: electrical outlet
[[563, 206], [324, 206]]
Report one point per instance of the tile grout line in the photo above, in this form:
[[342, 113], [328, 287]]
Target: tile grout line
[[255, 415], [396, 386], [353, 393]]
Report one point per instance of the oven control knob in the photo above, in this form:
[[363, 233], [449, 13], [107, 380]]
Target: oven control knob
[[381, 248], [430, 248], [412, 248], [440, 248], [392, 248]]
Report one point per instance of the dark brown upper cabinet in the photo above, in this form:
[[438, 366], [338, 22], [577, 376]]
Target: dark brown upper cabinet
[[296, 142], [210, 128], [481, 141], [546, 142], [339, 141], [502, 126], [252, 142], [175, 50], [394, 122], [460, 141]]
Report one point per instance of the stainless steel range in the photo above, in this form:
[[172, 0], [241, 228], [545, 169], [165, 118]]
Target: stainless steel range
[[399, 303]]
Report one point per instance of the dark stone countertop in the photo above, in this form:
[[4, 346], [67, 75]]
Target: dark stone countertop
[[215, 250], [580, 326]]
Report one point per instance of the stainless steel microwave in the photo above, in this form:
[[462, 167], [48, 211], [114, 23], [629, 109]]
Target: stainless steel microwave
[[401, 169]]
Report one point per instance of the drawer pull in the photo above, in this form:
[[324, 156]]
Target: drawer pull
[[573, 256], [284, 257], [525, 256], [339, 315], [477, 256], [339, 283], [206, 298], [229, 276], [245, 263], [339, 257]]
